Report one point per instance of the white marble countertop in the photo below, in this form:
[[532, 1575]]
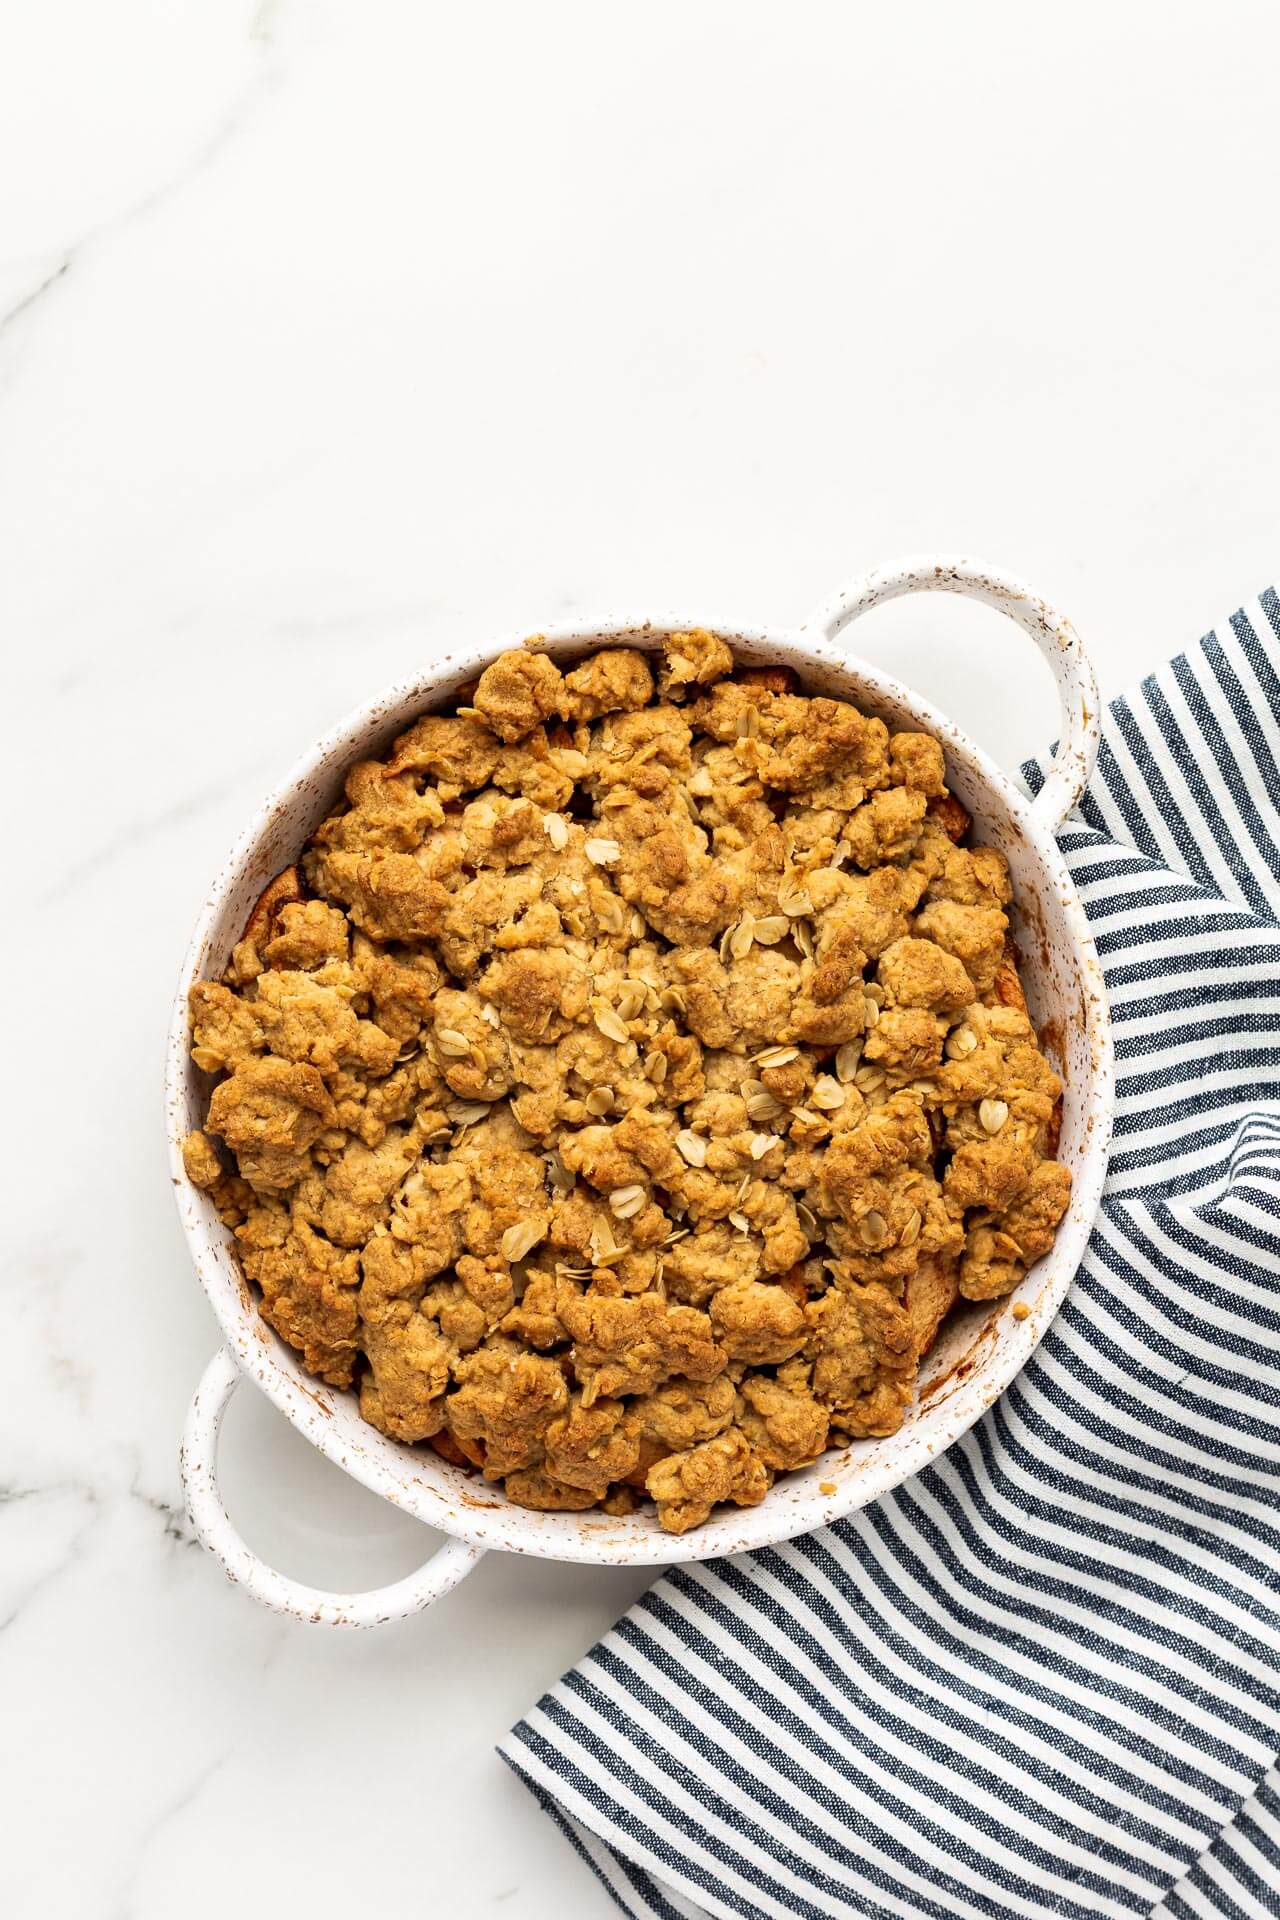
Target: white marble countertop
[[335, 333]]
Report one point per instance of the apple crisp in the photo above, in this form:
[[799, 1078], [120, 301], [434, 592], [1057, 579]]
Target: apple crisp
[[629, 1078]]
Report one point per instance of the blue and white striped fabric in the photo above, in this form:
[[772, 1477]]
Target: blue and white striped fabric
[[1043, 1677]]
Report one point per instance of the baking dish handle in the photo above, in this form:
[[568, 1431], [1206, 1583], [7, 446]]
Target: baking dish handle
[[199, 1464], [1056, 638]]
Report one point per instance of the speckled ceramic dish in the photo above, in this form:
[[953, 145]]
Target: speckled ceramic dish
[[980, 1348]]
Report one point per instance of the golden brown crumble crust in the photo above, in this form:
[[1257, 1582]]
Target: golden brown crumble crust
[[629, 1079]]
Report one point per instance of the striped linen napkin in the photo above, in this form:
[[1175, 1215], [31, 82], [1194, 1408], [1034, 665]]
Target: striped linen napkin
[[1043, 1677]]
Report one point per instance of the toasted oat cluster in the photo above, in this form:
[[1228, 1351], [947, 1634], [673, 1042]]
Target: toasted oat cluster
[[629, 1079]]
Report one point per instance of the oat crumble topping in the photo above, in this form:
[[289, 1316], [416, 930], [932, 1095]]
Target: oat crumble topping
[[629, 1079]]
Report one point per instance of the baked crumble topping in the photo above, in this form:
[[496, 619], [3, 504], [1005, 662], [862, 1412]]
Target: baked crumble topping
[[629, 1079]]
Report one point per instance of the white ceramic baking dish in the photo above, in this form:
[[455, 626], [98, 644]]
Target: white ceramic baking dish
[[980, 1349]]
